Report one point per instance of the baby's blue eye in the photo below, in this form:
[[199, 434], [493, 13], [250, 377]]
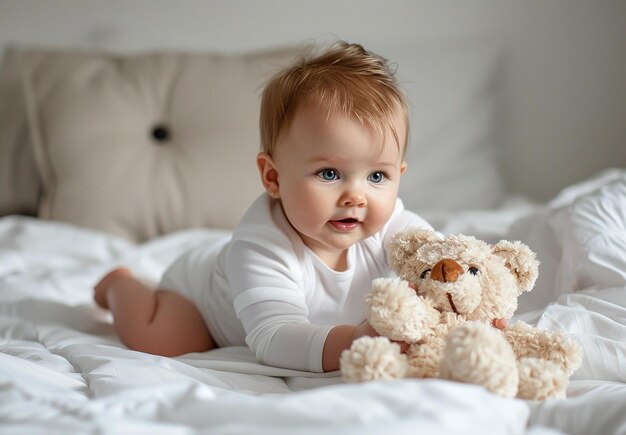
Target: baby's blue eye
[[376, 177], [328, 174]]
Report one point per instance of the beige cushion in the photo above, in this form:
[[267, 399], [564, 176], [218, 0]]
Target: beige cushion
[[20, 183], [145, 144]]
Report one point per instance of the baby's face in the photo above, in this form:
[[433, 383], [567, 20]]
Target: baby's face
[[337, 180]]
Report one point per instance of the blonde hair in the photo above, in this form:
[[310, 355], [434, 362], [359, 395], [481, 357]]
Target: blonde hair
[[346, 78]]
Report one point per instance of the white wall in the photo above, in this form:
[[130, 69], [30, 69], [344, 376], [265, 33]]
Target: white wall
[[566, 77]]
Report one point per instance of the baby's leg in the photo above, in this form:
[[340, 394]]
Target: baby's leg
[[160, 322]]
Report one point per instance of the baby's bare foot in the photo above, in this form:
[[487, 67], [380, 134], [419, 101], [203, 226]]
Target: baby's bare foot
[[101, 289]]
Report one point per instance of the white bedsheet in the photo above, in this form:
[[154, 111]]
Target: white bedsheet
[[63, 370]]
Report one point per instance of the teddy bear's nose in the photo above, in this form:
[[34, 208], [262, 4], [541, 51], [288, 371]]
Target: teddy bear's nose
[[446, 270]]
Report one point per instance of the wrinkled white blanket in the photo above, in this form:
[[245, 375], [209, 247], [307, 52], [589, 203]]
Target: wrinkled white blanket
[[63, 370]]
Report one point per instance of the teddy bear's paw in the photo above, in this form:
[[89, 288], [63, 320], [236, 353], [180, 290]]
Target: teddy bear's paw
[[540, 379], [565, 352], [395, 311], [476, 353], [549, 345], [372, 358]]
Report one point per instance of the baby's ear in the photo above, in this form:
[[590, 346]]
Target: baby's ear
[[405, 243], [521, 261]]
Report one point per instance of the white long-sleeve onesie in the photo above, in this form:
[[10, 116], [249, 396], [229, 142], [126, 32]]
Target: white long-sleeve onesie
[[264, 288]]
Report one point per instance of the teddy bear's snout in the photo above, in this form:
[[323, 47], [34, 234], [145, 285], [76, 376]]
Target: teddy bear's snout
[[446, 270]]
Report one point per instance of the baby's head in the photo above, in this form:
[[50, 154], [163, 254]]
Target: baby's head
[[347, 79], [333, 133]]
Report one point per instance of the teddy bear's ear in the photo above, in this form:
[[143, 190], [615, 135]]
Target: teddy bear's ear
[[521, 261], [405, 243]]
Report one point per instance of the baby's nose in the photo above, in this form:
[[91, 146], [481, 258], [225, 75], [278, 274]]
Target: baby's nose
[[446, 270], [354, 201], [353, 197]]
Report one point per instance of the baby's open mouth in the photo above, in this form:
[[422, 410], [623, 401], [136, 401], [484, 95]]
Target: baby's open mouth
[[346, 224]]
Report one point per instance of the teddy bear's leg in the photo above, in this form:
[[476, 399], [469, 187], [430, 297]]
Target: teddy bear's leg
[[372, 358], [424, 358], [476, 353], [540, 379], [555, 346]]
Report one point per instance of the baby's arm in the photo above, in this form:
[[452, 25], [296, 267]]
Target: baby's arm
[[339, 339], [270, 298]]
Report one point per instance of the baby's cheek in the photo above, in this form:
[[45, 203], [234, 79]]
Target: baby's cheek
[[380, 212], [305, 219], [303, 206], [374, 225]]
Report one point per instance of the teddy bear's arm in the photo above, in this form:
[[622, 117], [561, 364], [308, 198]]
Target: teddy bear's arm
[[397, 312], [555, 346]]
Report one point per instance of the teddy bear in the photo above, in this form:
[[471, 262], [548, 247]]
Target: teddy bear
[[451, 301]]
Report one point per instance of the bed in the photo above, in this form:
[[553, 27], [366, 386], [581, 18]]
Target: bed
[[109, 159]]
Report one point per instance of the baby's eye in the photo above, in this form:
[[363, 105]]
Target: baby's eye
[[328, 174], [423, 274], [473, 270], [376, 177]]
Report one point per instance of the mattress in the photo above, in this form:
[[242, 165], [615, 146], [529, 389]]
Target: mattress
[[62, 369]]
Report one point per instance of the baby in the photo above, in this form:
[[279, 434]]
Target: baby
[[290, 282]]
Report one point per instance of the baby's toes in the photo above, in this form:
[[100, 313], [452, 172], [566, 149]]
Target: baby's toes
[[101, 288]]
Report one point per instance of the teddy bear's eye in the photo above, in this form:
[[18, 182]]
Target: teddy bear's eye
[[473, 270], [423, 274]]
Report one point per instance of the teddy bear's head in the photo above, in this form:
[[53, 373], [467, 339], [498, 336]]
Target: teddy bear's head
[[464, 275]]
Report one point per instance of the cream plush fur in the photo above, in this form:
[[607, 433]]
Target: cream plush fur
[[450, 294]]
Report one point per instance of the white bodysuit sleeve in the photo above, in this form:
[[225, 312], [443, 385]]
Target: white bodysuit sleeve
[[266, 282], [401, 220]]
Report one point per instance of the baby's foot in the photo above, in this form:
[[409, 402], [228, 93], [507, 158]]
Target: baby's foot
[[101, 289]]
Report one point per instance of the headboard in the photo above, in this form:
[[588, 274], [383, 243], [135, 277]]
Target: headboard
[[149, 143]]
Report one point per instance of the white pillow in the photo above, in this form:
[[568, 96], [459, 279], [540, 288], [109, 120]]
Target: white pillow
[[455, 98]]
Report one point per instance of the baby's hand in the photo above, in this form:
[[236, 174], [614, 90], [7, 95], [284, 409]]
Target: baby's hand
[[364, 329], [404, 346]]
